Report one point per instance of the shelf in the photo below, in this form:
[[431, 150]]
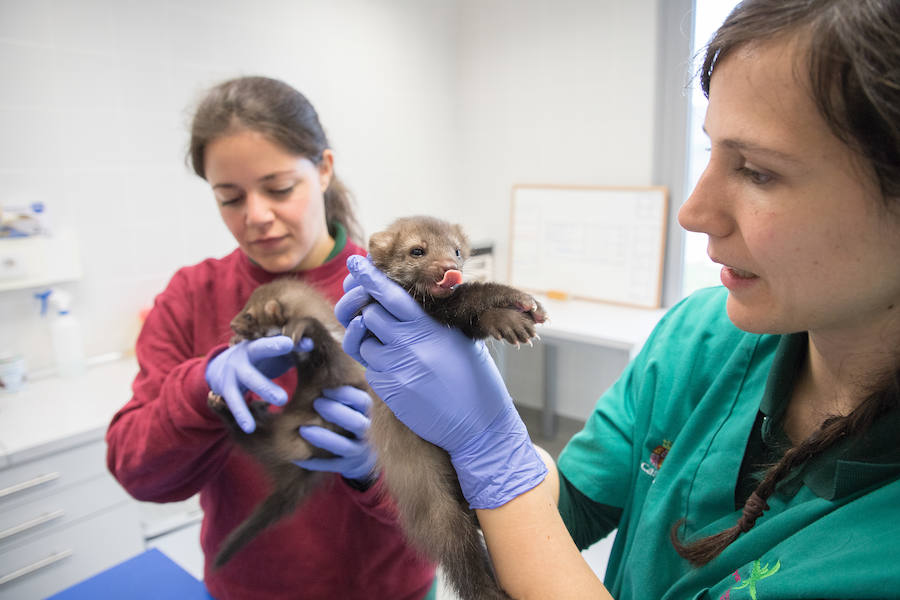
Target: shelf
[[30, 262]]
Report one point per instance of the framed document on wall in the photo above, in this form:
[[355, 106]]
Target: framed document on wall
[[593, 243]]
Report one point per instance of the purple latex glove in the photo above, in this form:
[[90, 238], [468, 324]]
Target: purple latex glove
[[251, 365], [441, 384], [347, 407]]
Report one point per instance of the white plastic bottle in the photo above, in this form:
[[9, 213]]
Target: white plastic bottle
[[65, 333]]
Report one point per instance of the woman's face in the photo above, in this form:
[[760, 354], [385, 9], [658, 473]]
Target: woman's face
[[795, 217], [271, 200]]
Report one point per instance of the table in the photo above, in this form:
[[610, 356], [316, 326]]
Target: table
[[595, 323], [150, 575], [52, 414]]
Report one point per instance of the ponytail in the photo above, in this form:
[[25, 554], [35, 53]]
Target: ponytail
[[339, 209]]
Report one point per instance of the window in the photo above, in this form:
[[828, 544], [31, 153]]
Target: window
[[699, 271]]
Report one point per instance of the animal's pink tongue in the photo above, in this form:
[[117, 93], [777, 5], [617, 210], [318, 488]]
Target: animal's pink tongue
[[451, 278]]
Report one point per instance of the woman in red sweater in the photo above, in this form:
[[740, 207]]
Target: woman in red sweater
[[259, 144]]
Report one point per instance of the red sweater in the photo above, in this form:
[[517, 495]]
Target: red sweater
[[166, 445]]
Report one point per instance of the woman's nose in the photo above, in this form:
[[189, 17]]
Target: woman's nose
[[706, 209], [258, 210]]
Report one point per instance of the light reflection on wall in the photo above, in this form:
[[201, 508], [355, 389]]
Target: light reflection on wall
[[699, 271]]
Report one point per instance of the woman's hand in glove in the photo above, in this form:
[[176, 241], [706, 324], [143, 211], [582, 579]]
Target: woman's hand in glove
[[348, 408], [251, 365], [439, 383]]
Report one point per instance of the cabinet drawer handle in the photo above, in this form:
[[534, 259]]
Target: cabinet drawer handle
[[21, 487], [39, 520], [35, 566]]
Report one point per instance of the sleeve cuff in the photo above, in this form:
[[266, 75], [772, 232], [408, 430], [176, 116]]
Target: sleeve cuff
[[194, 386], [488, 481]]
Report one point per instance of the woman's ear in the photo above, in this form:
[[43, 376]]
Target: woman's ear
[[326, 169]]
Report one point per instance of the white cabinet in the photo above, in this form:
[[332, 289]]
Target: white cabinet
[[63, 518], [39, 260]]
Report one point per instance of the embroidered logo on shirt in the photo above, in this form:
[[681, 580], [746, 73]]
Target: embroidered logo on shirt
[[757, 573], [657, 456]]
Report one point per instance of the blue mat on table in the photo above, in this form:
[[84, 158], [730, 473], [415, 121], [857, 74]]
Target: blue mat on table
[[148, 576]]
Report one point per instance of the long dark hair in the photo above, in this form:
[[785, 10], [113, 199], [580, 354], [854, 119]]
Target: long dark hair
[[281, 113], [853, 66]]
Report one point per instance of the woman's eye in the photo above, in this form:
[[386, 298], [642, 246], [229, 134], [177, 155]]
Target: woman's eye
[[282, 191], [229, 201], [751, 173], [755, 177], [417, 252]]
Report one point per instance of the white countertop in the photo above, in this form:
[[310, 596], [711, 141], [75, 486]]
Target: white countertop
[[55, 413], [598, 323]]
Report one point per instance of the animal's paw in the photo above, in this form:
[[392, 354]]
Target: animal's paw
[[510, 324], [297, 328], [217, 403], [259, 410], [537, 312], [526, 303]]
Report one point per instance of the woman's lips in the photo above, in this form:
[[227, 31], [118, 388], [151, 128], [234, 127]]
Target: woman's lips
[[267, 243], [740, 272], [737, 279]]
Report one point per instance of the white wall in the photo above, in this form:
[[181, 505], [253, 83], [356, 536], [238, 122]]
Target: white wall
[[435, 106], [94, 106], [554, 92], [557, 92]]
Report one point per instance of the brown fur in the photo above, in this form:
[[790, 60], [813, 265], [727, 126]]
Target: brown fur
[[416, 252], [417, 474], [297, 310]]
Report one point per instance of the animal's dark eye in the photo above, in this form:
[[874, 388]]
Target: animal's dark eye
[[458, 253], [417, 252]]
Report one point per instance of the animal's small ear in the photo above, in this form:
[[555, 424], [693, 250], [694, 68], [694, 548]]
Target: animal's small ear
[[241, 321], [463, 240], [274, 311], [380, 244]]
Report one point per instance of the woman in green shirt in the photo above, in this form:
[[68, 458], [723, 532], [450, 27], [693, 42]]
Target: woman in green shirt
[[751, 449]]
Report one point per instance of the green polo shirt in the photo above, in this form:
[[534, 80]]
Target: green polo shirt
[[680, 435], [339, 233]]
